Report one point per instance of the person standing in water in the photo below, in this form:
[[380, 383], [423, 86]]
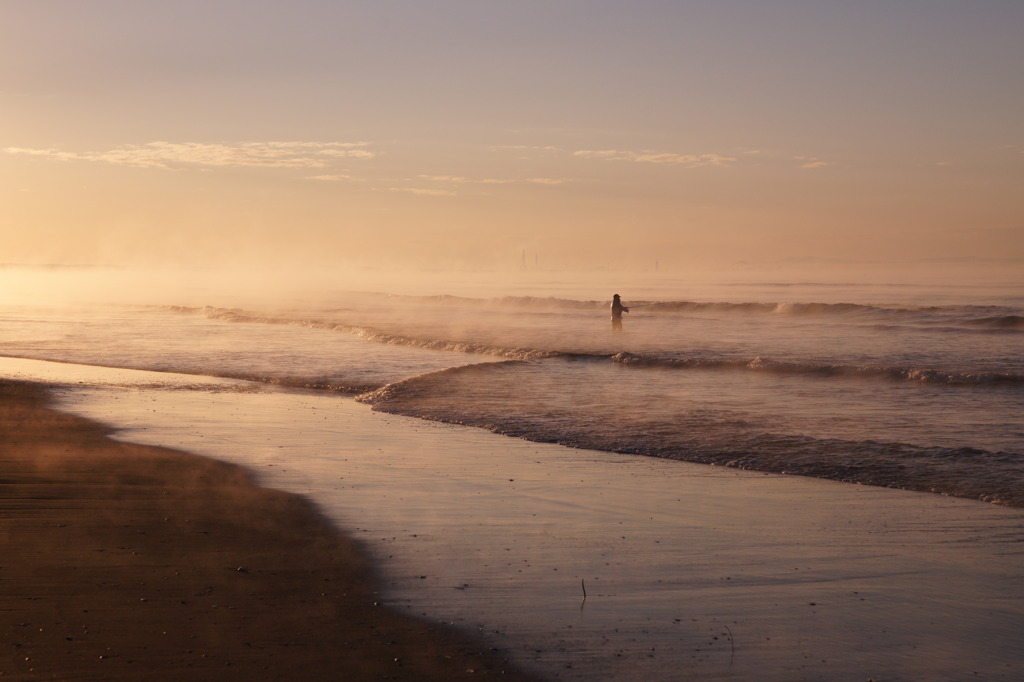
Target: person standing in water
[[617, 310]]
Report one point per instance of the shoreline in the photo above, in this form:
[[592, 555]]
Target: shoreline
[[690, 571], [127, 561]]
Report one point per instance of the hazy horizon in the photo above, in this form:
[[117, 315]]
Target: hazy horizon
[[730, 139]]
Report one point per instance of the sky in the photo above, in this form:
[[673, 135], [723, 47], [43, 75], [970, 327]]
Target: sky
[[638, 135]]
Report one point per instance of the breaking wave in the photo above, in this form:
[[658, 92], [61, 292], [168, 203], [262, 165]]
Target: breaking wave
[[922, 375], [373, 335], [1013, 322], [696, 435]]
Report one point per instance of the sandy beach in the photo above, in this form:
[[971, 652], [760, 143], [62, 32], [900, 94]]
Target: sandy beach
[[568, 341], [131, 562], [573, 564]]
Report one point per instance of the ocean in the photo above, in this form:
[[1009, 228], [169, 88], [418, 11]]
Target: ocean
[[914, 386], [592, 538]]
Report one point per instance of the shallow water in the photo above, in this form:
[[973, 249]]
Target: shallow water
[[912, 386], [689, 571]]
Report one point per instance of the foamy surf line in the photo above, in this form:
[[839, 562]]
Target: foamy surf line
[[590, 565]]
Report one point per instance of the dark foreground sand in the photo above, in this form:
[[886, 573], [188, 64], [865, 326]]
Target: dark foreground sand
[[122, 561]]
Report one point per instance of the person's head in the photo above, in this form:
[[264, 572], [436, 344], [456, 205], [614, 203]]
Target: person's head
[[616, 297]]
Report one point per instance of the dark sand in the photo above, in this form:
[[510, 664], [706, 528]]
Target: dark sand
[[131, 562]]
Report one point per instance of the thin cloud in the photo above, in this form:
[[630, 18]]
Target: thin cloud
[[446, 178], [811, 165], [525, 147], [813, 162], [171, 155], [457, 179], [611, 154], [50, 153], [421, 191], [664, 158], [329, 178]]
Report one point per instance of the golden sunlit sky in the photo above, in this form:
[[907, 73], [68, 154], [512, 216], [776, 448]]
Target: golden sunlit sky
[[466, 133]]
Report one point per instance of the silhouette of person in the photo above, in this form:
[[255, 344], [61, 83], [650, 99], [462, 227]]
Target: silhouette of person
[[617, 310]]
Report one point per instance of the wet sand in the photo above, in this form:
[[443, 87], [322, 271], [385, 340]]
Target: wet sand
[[691, 572], [131, 562]]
